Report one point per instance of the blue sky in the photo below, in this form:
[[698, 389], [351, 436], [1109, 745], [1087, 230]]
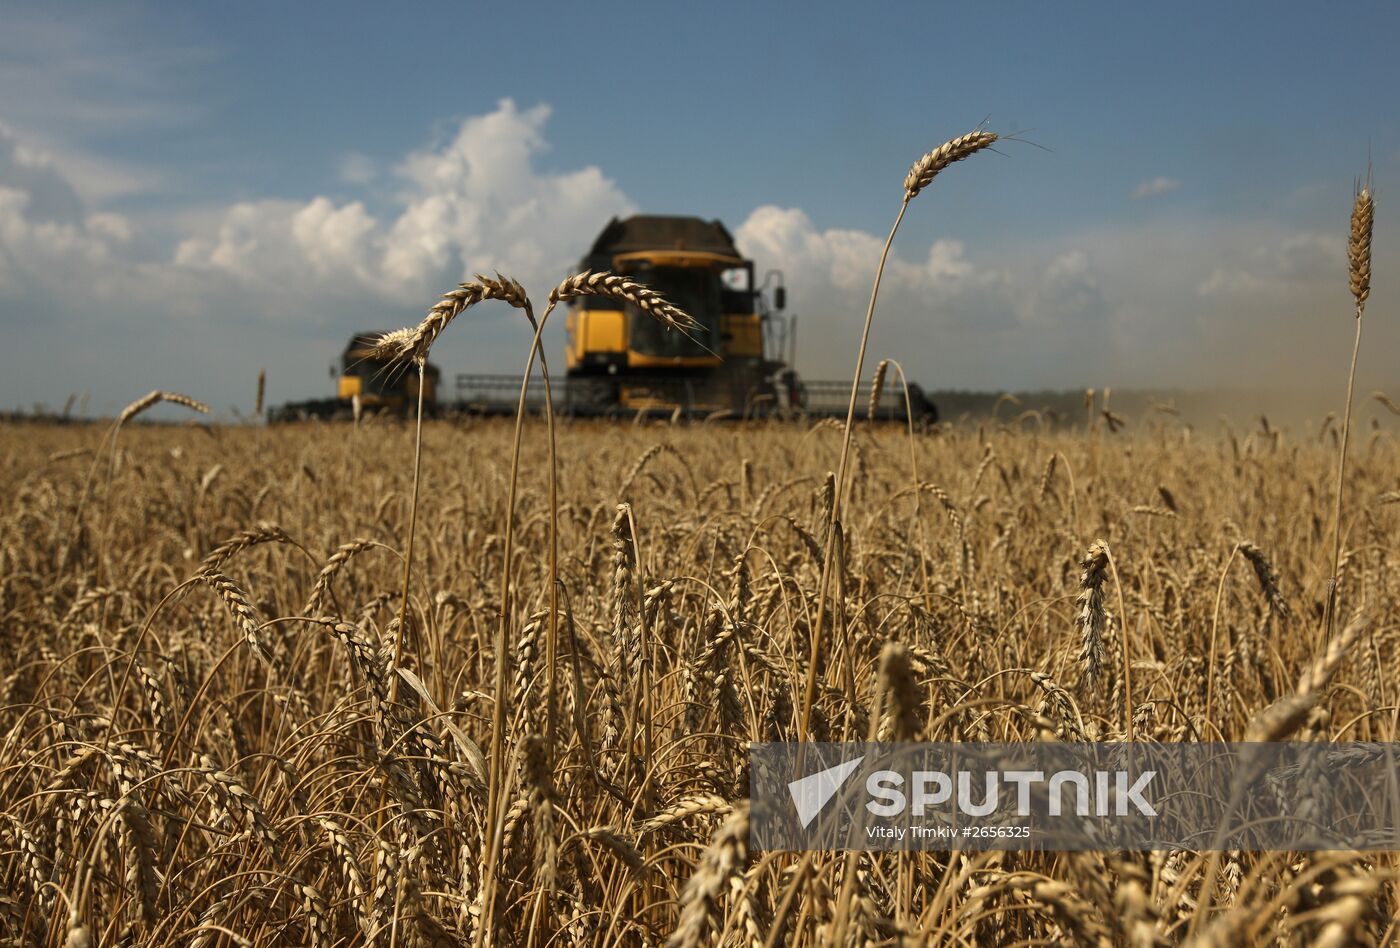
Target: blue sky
[[190, 193]]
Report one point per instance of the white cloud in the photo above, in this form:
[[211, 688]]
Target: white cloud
[[1154, 187], [471, 204], [49, 196], [829, 275], [288, 245], [1190, 303], [46, 235], [68, 81], [478, 203], [1276, 266], [838, 265], [1067, 293]]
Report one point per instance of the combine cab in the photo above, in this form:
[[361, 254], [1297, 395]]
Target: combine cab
[[620, 358]]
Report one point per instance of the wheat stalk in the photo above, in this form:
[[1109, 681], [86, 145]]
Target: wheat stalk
[[921, 174], [1363, 219]]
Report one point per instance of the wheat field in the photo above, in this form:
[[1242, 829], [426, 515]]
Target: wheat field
[[163, 784]]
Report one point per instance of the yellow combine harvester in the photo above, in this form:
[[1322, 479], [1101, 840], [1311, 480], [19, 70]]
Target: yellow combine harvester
[[618, 357], [378, 386], [618, 360]]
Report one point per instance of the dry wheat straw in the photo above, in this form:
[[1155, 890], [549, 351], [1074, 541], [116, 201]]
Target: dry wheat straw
[[221, 802], [1359, 260]]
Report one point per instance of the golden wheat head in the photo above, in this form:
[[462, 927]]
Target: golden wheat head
[[1363, 218], [626, 290], [926, 168], [413, 344], [155, 398]]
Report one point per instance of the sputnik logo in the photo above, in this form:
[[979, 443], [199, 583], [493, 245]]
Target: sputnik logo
[[812, 793]]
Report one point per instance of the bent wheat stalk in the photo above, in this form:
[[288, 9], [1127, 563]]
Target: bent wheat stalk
[[413, 345], [131, 411]]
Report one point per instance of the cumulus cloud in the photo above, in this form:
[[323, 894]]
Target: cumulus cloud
[[1276, 266], [1154, 187], [1150, 304], [841, 260], [927, 301], [283, 244], [47, 236], [48, 194], [472, 203], [831, 270]]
